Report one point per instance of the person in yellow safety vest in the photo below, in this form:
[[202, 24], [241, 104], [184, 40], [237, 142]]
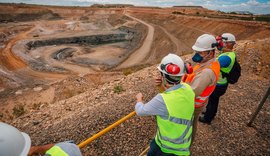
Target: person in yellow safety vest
[[173, 109], [205, 73], [227, 60], [16, 143]]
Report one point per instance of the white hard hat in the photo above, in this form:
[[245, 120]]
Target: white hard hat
[[205, 42], [13, 142], [230, 37], [172, 65]]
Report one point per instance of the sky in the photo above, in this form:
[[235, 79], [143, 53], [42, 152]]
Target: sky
[[254, 6]]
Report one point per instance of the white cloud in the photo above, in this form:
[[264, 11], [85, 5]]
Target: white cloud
[[253, 2], [251, 6]]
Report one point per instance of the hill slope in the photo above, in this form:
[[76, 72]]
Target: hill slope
[[82, 116]]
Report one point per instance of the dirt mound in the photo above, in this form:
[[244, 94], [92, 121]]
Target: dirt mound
[[21, 100], [254, 56]]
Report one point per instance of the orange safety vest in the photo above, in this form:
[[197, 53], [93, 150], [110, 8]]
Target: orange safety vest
[[202, 99]]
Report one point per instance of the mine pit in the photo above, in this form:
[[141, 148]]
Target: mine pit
[[68, 72], [63, 53], [71, 53], [85, 40]]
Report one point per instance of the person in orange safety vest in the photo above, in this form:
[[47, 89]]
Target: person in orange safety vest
[[205, 73]]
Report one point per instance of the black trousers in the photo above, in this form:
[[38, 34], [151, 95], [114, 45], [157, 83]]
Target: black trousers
[[212, 106], [156, 151]]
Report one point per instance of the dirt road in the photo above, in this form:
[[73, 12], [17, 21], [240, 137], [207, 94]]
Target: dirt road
[[13, 63], [139, 55], [46, 54], [179, 45], [9, 60]]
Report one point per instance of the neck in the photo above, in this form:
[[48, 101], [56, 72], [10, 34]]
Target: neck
[[205, 61], [227, 50]]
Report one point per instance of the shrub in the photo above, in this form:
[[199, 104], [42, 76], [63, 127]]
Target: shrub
[[127, 71], [177, 12], [18, 110], [118, 89]]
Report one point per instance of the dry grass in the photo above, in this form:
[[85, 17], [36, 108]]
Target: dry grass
[[18, 110]]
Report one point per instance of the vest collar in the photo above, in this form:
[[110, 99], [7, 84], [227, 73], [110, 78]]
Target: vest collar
[[175, 87]]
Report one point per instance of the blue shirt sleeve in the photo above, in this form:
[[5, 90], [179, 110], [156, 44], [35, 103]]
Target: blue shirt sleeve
[[156, 106], [224, 61]]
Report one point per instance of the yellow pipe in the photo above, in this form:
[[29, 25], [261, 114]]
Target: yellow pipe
[[145, 151], [107, 129]]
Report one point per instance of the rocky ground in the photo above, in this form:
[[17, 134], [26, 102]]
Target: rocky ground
[[84, 115], [80, 109]]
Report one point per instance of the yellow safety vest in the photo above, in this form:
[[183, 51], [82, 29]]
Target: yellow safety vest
[[56, 151], [174, 132], [223, 80]]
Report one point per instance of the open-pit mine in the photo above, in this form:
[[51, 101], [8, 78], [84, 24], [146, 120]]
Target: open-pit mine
[[68, 72]]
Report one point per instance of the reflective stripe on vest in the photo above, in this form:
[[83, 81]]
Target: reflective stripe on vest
[[181, 139], [202, 99], [232, 55], [56, 151], [174, 132]]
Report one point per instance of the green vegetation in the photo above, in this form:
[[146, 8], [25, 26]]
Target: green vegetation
[[127, 71], [177, 12], [231, 15], [263, 18], [118, 89], [18, 110]]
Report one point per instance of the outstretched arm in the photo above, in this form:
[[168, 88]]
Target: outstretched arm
[[156, 106], [34, 150]]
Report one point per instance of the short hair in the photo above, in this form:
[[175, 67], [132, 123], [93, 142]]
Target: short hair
[[173, 79]]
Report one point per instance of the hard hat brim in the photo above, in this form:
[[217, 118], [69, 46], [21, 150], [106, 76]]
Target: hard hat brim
[[27, 144], [200, 49]]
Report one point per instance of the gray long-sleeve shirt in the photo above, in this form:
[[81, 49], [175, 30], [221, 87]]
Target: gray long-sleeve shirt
[[155, 106]]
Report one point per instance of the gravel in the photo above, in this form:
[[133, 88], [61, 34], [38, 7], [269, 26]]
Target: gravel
[[82, 116]]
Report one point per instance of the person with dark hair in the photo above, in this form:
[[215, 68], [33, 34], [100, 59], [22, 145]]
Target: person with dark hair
[[173, 109]]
